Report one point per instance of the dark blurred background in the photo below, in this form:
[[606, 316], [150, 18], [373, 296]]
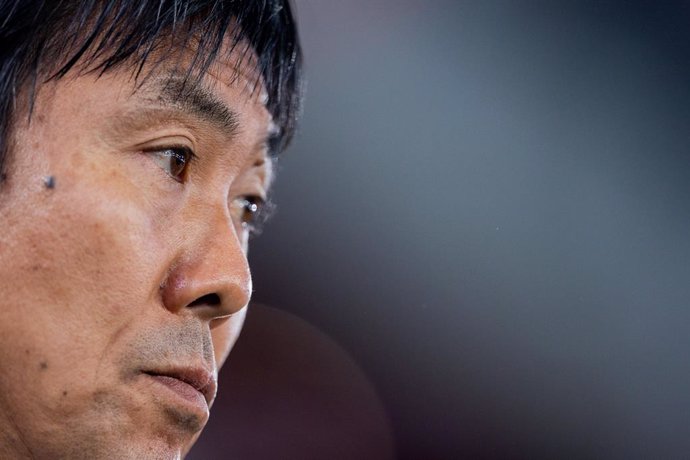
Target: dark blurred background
[[486, 214]]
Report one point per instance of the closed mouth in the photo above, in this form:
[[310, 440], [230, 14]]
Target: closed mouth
[[200, 379]]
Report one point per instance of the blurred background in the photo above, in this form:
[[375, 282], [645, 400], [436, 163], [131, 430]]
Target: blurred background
[[482, 242]]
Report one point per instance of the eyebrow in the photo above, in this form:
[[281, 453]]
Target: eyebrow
[[192, 97]]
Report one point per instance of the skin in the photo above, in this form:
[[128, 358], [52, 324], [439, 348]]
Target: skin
[[111, 266]]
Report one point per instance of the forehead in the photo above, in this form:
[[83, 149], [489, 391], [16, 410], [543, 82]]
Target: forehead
[[228, 102], [179, 79], [227, 94], [180, 68]]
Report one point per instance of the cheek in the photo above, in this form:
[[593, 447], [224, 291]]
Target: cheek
[[95, 248], [76, 267], [81, 260]]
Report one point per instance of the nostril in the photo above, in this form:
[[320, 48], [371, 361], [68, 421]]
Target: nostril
[[209, 300]]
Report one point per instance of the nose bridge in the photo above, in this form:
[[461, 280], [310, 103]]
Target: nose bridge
[[213, 280]]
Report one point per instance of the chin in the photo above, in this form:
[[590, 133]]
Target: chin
[[152, 451], [168, 434], [140, 447], [134, 424]]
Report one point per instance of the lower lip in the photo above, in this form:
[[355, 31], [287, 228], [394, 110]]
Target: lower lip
[[183, 390]]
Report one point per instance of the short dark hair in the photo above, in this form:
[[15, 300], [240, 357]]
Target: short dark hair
[[42, 40]]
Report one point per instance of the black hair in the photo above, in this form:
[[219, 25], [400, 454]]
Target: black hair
[[41, 40]]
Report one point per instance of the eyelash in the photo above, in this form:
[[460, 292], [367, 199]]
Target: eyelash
[[172, 153]]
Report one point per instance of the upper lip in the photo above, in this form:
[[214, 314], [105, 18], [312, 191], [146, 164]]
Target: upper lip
[[200, 378]]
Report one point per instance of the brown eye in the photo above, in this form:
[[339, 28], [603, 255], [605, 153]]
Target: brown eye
[[173, 160], [247, 208]]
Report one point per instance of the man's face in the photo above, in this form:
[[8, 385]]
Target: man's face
[[123, 259]]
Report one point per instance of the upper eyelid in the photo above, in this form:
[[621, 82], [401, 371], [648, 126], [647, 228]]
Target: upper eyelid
[[171, 140], [162, 147]]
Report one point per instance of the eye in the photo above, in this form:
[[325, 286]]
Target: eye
[[247, 208], [251, 212], [173, 160]]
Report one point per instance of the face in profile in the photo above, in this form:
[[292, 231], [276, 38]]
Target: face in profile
[[126, 213]]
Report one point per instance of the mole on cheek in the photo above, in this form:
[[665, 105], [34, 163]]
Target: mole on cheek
[[43, 365], [49, 182]]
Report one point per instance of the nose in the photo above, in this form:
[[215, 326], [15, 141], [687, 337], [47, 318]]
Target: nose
[[212, 278]]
